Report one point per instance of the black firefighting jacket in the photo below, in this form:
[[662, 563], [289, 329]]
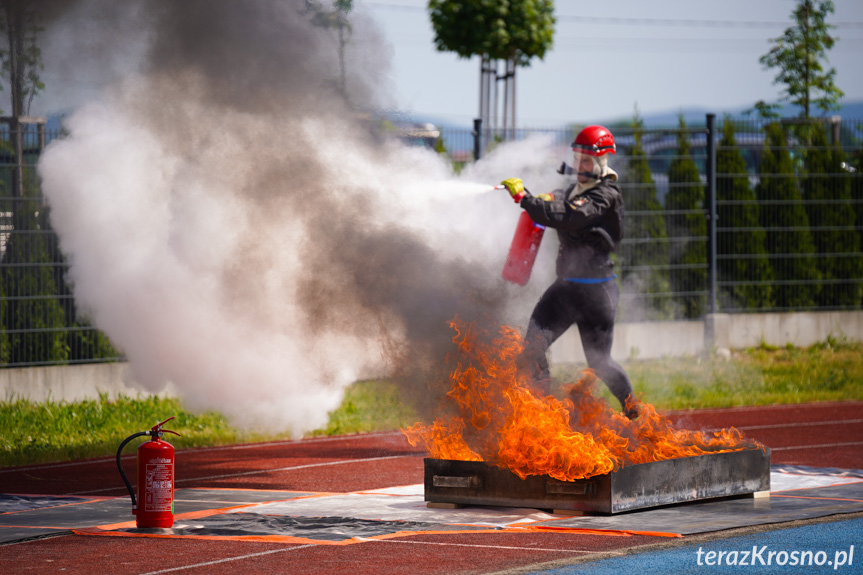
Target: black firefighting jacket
[[589, 226]]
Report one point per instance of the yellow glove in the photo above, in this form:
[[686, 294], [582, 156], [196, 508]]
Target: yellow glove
[[515, 188]]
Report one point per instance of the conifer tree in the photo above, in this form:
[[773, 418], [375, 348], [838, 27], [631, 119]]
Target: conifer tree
[[687, 227], [783, 217], [832, 217], [742, 263], [800, 55], [644, 250], [34, 317], [854, 167]]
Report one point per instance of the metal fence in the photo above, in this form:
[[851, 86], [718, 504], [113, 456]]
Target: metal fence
[[737, 215], [729, 216], [40, 322]]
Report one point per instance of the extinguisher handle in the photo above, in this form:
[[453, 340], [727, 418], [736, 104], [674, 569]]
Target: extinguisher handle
[[158, 426], [157, 431]]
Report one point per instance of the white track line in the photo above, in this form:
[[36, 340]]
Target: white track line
[[291, 468], [227, 560], [261, 471], [486, 546], [273, 551], [199, 449], [61, 465], [821, 446], [806, 424], [293, 441], [781, 407]]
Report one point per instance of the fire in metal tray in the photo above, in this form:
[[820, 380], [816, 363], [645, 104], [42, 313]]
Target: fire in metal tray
[[491, 415]]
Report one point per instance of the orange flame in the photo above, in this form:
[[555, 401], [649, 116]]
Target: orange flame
[[495, 417]]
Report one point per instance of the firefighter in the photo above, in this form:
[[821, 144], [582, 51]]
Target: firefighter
[[588, 217]]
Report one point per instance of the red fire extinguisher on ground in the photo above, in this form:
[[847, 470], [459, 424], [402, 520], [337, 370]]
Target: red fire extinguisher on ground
[[523, 250], [155, 478]]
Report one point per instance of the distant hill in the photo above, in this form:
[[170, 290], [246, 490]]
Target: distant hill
[[852, 109]]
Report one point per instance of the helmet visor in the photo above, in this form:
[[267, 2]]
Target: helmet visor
[[585, 164]]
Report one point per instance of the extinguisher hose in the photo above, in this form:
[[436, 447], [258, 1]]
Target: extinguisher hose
[[120, 465]]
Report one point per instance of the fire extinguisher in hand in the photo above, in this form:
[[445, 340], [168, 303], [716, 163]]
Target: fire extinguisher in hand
[[155, 478], [523, 250], [525, 242]]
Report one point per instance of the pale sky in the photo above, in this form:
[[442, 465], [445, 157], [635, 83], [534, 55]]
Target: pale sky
[[608, 57]]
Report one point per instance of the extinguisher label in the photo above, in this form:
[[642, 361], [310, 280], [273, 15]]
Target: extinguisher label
[[159, 489]]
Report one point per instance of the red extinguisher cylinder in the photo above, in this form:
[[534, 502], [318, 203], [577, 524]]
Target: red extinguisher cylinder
[[153, 504], [155, 484], [523, 250]]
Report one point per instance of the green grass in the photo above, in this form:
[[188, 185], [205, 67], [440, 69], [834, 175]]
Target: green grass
[[828, 371], [369, 406], [59, 431]]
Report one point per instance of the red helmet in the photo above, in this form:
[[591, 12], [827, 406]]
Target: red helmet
[[594, 141]]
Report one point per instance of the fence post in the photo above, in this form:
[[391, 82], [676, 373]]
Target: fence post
[[40, 131], [716, 325], [836, 133], [477, 138], [710, 190], [16, 129]]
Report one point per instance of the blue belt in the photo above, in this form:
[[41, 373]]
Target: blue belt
[[590, 280]]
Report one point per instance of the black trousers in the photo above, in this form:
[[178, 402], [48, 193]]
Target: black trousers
[[591, 307]]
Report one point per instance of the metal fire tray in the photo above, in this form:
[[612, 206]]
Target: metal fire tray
[[636, 486]]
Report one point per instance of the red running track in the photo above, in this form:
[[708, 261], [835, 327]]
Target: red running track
[[820, 435]]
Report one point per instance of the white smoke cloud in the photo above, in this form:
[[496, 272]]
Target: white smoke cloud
[[261, 259]]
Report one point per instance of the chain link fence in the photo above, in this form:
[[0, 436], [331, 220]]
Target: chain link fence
[[733, 216]]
